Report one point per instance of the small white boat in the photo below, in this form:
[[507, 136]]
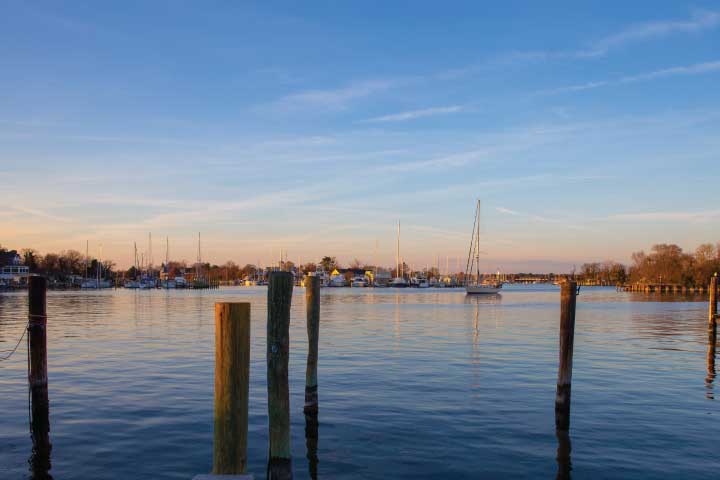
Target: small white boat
[[398, 282], [358, 282], [483, 289], [95, 284], [480, 286], [337, 281], [323, 276], [131, 284]]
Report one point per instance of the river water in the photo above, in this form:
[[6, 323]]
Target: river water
[[416, 384]]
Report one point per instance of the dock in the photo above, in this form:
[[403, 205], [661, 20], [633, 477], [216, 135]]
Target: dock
[[674, 288]]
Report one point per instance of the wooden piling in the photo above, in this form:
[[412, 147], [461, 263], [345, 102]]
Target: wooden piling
[[568, 292], [710, 378], [280, 289], [312, 302], [311, 442], [38, 376], [564, 449], [712, 309], [232, 381]]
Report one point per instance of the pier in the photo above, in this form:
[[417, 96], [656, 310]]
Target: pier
[[674, 288]]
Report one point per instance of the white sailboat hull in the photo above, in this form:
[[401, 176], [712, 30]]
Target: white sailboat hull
[[482, 289]]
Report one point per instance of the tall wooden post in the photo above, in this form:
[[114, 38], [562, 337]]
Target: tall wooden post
[[280, 289], [311, 441], [710, 378], [38, 376], [232, 381], [564, 466], [312, 302], [568, 292], [712, 309]]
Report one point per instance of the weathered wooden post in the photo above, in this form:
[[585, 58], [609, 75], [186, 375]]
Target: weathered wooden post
[[312, 302], [232, 382], [280, 289], [710, 378], [712, 310], [564, 467], [38, 376], [568, 292], [311, 441]]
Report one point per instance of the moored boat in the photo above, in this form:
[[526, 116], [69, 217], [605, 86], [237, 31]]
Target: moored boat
[[479, 286]]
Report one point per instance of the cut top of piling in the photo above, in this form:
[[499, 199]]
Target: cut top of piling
[[37, 291]]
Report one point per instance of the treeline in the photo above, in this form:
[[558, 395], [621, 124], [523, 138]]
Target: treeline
[[604, 273], [63, 265], [228, 271], [664, 263], [668, 264]]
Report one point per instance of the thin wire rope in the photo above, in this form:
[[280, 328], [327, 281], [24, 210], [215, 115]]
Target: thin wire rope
[[471, 251], [13, 350]]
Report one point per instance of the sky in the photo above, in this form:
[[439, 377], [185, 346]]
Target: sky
[[588, 131]]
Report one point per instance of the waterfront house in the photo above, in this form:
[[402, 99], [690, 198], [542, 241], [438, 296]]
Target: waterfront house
[[12, 271]]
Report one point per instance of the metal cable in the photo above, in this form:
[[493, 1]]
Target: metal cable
[[13, 350]]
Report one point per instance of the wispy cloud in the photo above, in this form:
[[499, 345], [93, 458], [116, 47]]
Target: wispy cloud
[[331, 99], [40, 213], [688, 70], [699, 21], [668, 216], [696, 69], [445, 161], [413, 114], [507, 211]]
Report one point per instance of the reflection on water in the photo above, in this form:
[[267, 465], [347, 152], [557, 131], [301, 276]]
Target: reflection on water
[[40, 457], [405, 393], [311, 442], [710, 378], [564, 448]]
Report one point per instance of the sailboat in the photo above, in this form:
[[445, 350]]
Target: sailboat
[[478, 287], [199, 281], [399, 281], [133, 283]]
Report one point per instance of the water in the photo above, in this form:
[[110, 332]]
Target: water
[[412, 384]]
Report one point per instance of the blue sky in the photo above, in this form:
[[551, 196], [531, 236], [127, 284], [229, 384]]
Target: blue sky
[[588, 132]]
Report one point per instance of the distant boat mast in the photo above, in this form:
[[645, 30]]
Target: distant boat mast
[[397, 255], [199, 259]]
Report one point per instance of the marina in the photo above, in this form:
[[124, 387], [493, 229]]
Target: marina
[[359, 240], [406, 370]]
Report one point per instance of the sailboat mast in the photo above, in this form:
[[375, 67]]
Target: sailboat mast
[[97, 281], [199, 259], [375, 259], [397, 257], [477, 245]]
